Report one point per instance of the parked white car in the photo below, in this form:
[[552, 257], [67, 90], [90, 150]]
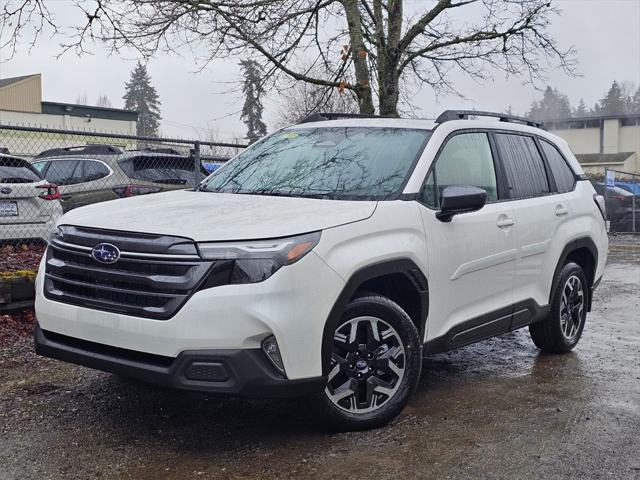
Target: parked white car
[[29, 205], [327, 259]]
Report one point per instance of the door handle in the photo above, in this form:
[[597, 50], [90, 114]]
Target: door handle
[[561, 210], [504, 222]]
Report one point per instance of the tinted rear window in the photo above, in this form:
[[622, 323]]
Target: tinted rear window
[[16, 170], [94, 170], [523, 164], [169, 170], [562, 174]]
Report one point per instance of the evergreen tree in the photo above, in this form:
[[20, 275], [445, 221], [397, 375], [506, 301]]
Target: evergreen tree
[[581, 110], [554, 105], [252, 109], [613, 102], [142, 97]]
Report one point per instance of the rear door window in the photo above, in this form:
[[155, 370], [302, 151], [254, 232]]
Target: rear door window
[[523, 165], [64, 172], [563, 175], [94, 170], [16, 170]]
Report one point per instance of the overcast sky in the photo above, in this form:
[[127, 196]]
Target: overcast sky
[[606, 34]]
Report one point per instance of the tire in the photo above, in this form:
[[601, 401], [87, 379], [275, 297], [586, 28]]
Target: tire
[[561, 331], [375, 366]]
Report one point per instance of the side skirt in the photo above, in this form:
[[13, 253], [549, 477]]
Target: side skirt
[[488, 325]]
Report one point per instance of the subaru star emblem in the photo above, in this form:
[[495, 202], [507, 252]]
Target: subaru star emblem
[[105, 253], [5, 190]]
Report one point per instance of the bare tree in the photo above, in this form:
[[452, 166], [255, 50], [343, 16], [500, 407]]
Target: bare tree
[[301, 99], [373, 48], [82, 99], [103, 101]]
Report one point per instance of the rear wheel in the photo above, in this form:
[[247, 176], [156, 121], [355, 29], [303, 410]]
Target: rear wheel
[[562, 329], [375, 365]]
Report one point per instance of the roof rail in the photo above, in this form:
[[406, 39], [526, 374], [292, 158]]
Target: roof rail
[[83, 149], [449, 115], [322, 116]]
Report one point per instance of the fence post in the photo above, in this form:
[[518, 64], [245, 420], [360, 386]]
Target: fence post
[[633, 209], [196, 163], [604, 194]]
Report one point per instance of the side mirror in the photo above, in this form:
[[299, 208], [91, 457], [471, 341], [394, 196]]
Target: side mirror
[[460, 199]]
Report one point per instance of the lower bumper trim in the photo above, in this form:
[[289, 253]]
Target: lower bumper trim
[[241, 372]]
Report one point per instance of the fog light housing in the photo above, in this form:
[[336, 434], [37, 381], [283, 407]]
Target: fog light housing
[[272, 351]]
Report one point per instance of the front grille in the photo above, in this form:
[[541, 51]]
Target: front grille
[[151, 285]]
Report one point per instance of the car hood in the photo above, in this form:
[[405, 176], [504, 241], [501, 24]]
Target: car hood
[[211, 216]]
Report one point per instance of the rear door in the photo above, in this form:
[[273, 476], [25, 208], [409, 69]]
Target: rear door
[[539, 212], [471, 258], [95, 185], [67, 174]]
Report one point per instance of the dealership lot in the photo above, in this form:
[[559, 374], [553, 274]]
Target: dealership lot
[[498, 409]]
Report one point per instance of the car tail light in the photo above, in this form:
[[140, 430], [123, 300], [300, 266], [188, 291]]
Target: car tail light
[[52, 192], [125, 191]]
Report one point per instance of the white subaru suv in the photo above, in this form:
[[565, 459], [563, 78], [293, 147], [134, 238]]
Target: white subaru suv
[[327, 259]]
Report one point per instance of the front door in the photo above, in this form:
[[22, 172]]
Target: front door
[[472, 257]]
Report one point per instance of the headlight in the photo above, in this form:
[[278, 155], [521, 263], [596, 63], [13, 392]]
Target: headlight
[[55, 234], [252, 262]]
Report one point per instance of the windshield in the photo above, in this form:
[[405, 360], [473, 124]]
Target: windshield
[[356, 163]]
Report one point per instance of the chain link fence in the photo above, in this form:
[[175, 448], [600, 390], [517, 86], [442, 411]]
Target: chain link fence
[[621, 191], [45, 173]]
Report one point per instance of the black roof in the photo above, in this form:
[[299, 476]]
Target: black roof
[[88, 111]]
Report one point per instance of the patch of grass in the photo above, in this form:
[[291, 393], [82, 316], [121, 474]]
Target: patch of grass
[[15, 275]]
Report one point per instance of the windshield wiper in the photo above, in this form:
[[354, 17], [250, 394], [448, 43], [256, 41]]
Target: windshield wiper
[[272, 193]]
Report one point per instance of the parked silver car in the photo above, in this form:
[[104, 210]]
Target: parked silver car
[[29, 205], [96, 173]]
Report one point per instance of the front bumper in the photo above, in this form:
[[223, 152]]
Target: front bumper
[[292, 305], [242, 372]]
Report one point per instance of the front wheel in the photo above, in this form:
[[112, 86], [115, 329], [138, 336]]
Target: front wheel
[[375, 366], [562, 329]]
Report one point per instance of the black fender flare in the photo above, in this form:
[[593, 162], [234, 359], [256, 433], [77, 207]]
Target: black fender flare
[[404, 266], [573, 245]]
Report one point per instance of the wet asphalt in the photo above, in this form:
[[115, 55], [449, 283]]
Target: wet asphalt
[[498, 409]]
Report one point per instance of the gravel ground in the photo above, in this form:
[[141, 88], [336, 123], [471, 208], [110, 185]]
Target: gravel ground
[[498, 409]]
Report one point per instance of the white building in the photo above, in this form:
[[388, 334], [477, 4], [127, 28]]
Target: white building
[[21, 105], [602, 142]]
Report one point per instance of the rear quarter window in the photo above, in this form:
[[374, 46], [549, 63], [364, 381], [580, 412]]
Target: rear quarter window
[[17, 170], [562, 173], [94, 170]]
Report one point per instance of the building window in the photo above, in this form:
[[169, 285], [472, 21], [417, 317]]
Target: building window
[[629, 122]]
